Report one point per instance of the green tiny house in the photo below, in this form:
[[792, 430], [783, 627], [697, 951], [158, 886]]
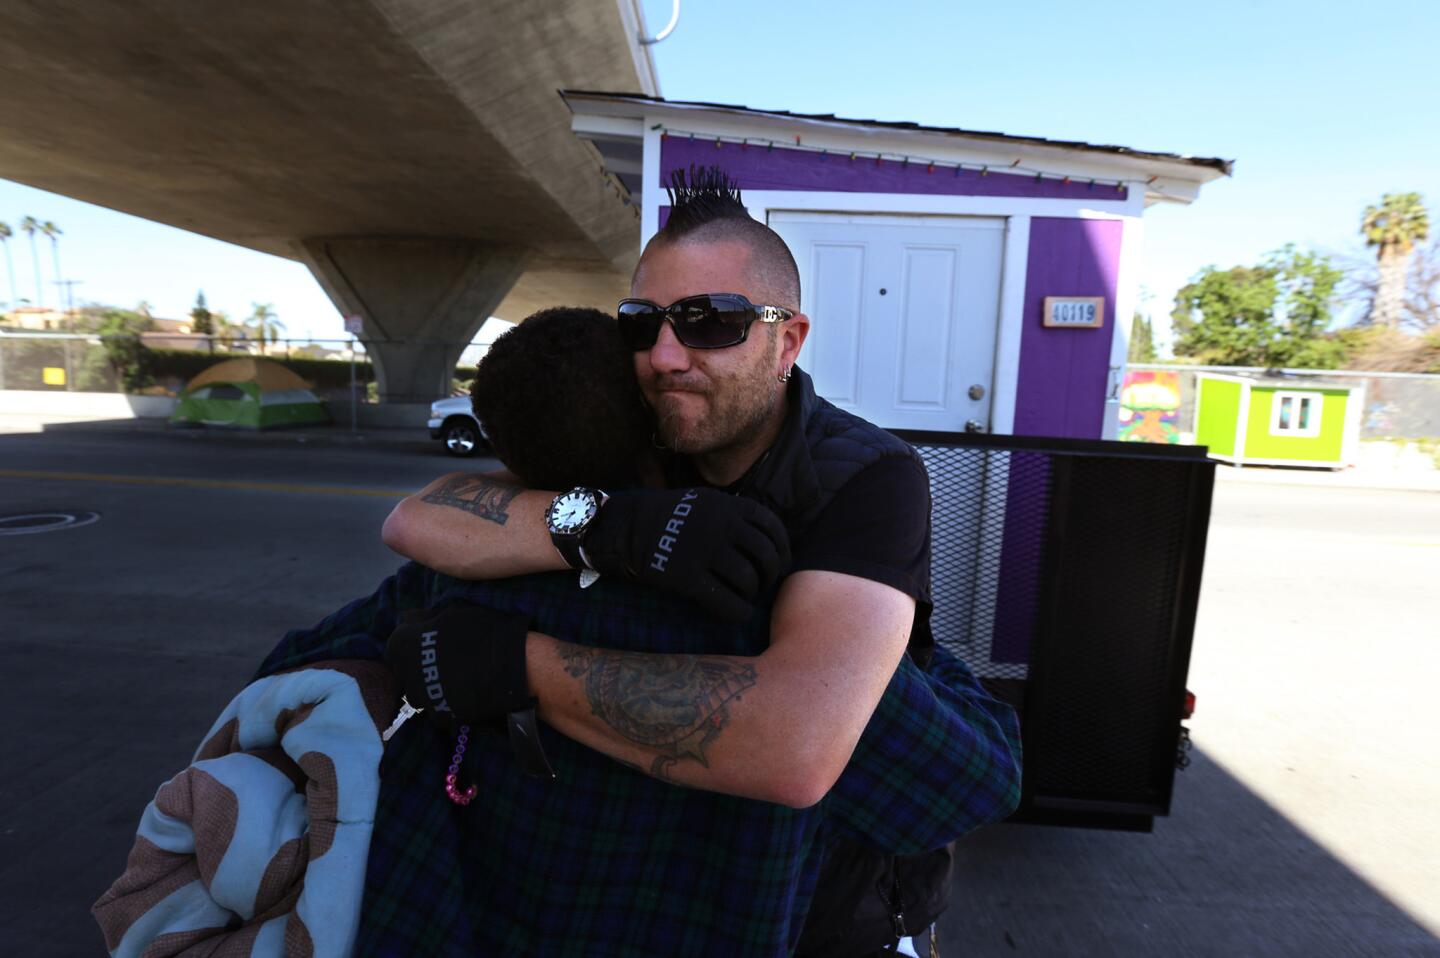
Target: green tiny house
[[1277, 422]]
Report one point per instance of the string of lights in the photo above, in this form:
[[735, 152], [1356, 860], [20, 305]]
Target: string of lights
[[930, 165]]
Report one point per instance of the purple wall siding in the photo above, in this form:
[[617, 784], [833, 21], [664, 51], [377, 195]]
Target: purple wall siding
[[1063, 372], [758, 168], [1022, 552], [1061, 392]]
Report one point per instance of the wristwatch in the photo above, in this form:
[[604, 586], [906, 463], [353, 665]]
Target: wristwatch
[[569, 515]]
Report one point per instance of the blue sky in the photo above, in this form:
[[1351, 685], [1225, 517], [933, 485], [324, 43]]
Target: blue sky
[[1323, 105]]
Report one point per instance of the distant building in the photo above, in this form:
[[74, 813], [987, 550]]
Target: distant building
[[36, 318], [181, 326]]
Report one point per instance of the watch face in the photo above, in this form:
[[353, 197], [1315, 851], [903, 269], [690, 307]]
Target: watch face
[[571, 511]]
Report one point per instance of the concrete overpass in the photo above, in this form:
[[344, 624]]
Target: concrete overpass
[[412, 153]]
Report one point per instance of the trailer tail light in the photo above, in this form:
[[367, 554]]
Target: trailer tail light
[[1188, 709]]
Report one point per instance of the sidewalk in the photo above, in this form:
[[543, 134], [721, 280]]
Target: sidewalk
[[1353, 478], [1381, 466]]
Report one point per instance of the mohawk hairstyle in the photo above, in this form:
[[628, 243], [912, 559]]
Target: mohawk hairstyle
[[705, 205], [707, 195]]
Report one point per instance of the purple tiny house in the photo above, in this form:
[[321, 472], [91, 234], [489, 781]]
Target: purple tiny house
[[977, 282], [956, 280]]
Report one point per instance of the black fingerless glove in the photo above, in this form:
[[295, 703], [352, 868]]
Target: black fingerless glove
[[464, 664], [720, 550]]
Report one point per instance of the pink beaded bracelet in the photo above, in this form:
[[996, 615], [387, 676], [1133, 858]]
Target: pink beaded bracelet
[[452, 779]]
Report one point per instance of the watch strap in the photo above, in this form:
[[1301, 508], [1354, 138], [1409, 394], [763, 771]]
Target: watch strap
[[568, 545]]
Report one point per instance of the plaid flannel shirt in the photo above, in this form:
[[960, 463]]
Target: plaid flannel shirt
[[606, 861]]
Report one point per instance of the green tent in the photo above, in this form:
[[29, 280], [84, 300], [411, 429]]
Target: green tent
[[250, 394]]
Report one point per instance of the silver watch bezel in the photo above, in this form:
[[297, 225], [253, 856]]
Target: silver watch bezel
[[595, 499]]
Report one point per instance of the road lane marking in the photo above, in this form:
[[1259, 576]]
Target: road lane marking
[[202, 483]]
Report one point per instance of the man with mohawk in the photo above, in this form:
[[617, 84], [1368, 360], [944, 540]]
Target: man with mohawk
[[772, 724]]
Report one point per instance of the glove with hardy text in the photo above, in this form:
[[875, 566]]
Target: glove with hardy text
[[720, 550], [463, 664]]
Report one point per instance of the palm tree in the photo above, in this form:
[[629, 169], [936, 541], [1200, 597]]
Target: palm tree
[[30, 226], [1394, 227], [5, 233], [52, 232], [225, 331], [266, 324]]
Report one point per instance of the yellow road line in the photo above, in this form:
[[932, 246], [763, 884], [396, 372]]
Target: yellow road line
[[202, 483]]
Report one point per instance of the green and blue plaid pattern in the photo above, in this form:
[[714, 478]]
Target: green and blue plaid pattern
[[606, 861]]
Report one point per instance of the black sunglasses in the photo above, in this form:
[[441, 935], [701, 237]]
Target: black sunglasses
[[710, 321]]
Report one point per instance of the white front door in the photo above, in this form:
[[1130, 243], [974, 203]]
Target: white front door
[[904, 312]]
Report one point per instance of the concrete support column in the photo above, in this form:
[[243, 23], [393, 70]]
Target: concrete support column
[[421, 299]]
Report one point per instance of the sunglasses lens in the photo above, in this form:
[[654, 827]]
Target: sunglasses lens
[[699, 322], [639, 324], [711, 322]]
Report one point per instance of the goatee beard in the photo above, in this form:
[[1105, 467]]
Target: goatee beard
[[727, 426]]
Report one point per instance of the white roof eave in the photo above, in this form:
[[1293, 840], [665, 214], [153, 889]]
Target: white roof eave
[[1174, 180]]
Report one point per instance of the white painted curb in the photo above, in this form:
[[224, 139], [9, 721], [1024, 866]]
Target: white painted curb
[[85, 405]]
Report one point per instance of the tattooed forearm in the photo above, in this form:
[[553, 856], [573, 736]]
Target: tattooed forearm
[[660, 768], [675, 705], [478, 495]]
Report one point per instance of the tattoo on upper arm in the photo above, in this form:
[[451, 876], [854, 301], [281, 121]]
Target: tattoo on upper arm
[[477, 495], [675, 705]]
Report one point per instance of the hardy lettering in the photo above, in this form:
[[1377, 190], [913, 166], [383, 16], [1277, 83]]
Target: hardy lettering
[[671, 535], [670, 538], [431, 672]]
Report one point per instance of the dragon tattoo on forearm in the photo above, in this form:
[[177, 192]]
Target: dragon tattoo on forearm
[[674, 705]]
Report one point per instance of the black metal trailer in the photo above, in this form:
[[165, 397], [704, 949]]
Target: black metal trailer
[[1066, 573]]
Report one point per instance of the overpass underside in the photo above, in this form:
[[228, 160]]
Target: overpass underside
[[413, 153]]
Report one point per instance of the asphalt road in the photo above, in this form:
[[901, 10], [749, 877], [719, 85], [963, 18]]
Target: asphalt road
[[1307, 823], [1305, 826]]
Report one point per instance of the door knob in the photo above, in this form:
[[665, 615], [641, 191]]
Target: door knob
[[974, 425]]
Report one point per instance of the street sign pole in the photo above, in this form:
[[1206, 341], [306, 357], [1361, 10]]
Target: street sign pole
[[353, 326], [353, 412]]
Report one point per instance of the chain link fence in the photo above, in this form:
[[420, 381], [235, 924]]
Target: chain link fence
[[1397, 405], [89, 362]]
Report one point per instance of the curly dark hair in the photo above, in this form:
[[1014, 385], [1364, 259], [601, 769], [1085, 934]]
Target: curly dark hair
[[706, 206], [558, 399]]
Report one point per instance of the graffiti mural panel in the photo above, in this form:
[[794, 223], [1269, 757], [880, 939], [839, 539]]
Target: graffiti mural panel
[[1150, 407]]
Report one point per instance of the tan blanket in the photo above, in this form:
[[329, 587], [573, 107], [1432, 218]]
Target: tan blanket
[[258, 848]]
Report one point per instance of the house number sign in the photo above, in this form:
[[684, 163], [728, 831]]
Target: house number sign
[[1075, 312]]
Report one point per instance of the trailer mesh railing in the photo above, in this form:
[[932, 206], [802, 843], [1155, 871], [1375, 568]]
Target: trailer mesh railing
[[982, 500]]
